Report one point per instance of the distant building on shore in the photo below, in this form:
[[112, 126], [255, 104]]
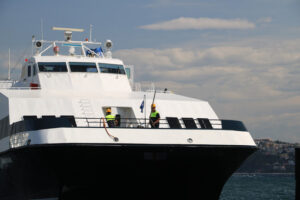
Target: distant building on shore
[[272, 157]]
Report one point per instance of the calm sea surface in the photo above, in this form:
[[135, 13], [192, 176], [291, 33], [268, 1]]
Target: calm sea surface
[[259, 186]]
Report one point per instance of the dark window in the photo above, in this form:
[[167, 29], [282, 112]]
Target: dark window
[[4, 127], [233, 125], [29, 122], [204, 123], [33, 123], [173, 122], [34, 69], [111, 68], [83, 67], [189, 123], [70, 118], [53, 67], [29, 71]]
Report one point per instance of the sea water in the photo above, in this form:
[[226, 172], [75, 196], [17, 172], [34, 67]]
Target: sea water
[[259, 186]]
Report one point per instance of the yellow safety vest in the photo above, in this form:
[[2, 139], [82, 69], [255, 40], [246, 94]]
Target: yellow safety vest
[[153, 114], [109, 117]]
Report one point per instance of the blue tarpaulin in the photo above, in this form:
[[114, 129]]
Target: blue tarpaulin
[[97, 51]]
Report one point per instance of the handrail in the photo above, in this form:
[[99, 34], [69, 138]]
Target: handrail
[[21, 88], [81, 44], [216, 124], [32, 123]]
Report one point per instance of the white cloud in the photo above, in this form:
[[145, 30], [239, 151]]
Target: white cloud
[[254, 73], [251, 81], [186, 23], [265, 20], [224, 55]]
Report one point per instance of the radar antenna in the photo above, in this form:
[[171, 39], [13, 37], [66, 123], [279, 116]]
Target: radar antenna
[[68, 31]]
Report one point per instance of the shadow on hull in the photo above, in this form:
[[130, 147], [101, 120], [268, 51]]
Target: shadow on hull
[[118, 171]]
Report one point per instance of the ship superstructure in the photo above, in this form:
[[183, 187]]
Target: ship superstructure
[[55, 142]]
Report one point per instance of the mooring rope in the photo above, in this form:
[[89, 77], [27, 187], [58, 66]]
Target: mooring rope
[[116, 139]]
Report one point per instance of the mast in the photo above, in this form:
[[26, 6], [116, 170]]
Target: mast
[[91, 26]]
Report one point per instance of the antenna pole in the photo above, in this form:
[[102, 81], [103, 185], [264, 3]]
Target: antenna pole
[[8, 64], [154, 97], [91, 27], [42, 27]]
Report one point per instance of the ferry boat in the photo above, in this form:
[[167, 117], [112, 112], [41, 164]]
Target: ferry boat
[[56, 144]]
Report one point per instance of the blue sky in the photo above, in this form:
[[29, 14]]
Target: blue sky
[[242, 56]]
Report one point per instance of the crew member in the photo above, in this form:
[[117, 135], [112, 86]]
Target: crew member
[[110, 119], [154, 117]]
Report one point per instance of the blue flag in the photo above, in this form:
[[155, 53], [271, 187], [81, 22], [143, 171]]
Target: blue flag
[[142, 106]]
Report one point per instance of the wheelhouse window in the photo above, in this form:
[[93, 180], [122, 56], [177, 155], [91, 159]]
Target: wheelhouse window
[[83, 67], [111, 68], [52, 67]]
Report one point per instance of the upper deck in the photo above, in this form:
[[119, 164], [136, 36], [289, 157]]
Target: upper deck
[[70, 78], [75, 65], [75, 73]]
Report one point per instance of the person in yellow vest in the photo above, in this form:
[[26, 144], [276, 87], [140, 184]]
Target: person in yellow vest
[[110, 119], [154, 117]]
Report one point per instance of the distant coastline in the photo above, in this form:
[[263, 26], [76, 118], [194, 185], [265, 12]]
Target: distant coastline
[[272, 157]]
